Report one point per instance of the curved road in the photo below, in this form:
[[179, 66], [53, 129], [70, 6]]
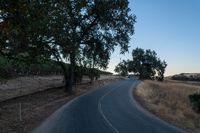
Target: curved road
[[110, 109]]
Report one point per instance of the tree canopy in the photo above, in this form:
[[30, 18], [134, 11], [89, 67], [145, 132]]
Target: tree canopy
[[122, 68], [147, 64], [144, 63], [80, 32]]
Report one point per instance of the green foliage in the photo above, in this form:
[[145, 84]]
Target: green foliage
[[195, 101], [122, 68], [89, 30], [22, 30], [8, 69], [93, 74], [74, 31], [147, 65]]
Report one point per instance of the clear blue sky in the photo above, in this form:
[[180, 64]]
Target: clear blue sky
[[171, 28]]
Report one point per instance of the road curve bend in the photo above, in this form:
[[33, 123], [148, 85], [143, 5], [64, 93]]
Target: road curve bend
[[110, 109]]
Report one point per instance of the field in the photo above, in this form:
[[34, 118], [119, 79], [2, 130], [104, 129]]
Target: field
[[169, 101]]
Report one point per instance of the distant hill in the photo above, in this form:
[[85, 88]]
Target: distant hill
[[187, 77]]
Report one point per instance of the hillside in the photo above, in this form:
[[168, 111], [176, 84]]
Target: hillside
[[187, 77]]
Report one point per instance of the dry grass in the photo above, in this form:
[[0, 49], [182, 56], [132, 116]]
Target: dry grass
[[169, 100], [27, 85], [38, 106]]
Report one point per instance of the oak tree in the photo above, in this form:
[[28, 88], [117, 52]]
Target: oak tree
[[65, 30]]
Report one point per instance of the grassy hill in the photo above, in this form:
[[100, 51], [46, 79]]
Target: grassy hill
[[187, 77]]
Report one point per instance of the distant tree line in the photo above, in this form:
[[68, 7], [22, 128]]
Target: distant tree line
[[77, 32], [9, 69], [144, 63]]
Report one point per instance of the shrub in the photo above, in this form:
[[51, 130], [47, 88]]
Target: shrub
[[195, 101]]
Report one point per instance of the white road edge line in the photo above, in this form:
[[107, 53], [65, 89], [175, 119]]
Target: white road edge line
[[101, 111]]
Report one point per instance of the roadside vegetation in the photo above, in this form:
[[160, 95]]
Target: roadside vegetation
[[194, 98], [195, 101], [170, 101]]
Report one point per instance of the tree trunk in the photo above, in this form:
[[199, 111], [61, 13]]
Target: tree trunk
[[71, 72], [141, 74], [91, 79], [92, 71], [65, 73]]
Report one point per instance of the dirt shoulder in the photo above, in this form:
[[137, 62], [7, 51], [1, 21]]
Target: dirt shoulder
[[36, 107], [169, 101]]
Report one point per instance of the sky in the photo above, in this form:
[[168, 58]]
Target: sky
[[171, 28]]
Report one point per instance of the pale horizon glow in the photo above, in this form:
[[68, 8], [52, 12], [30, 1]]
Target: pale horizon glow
[[171, 28]]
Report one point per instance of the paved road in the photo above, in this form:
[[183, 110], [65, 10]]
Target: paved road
[[110, 109]]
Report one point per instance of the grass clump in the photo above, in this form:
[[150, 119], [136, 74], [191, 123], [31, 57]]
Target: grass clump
[[195, 101]]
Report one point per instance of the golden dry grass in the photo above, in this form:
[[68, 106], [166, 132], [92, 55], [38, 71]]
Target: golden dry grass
[[169, 100]]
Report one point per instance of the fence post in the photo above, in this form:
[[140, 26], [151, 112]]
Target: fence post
[[20, 104]]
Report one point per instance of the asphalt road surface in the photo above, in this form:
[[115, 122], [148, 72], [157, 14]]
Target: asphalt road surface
[[110, 109]]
